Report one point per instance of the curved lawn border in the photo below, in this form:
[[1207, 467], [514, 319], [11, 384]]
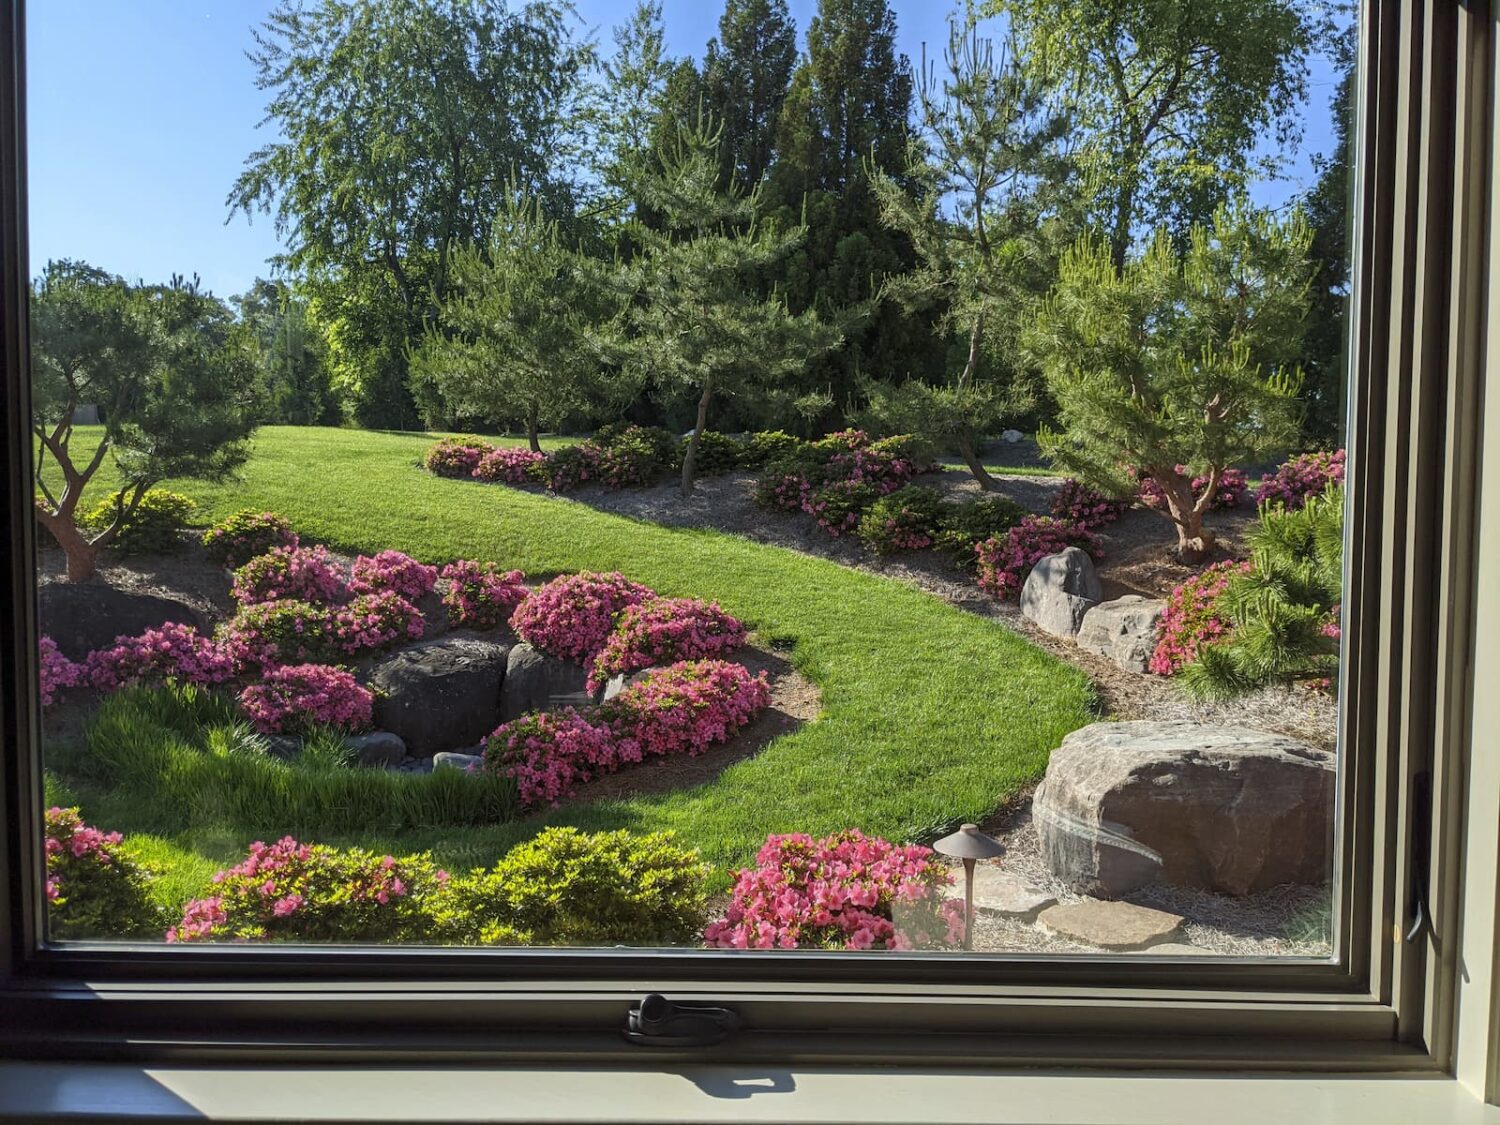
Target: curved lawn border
[[932, 716]]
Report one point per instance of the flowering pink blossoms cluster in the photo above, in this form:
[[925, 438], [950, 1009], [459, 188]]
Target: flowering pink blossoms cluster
[[169, 652], [292, 697], [572, 616], [508, 465], [1307, 474], [1075, 502], [481, 595], [372, 621], [57, 671], [456, 457], [1004, 561], [1191, 618], [847, 891], [550, 753], [69, 841], [246, 534], [1229, 493], [301, 573], [393, 571], [279, 632], [662, 631]]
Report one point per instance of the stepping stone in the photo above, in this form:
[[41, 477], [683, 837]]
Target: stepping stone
[[1111, 925], [1000, 894]]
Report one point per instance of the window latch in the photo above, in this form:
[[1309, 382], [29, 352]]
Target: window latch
[[657, 1022], [1421, 856]]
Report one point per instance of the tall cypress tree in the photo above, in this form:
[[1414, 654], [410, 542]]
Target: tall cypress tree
[[746, 71]]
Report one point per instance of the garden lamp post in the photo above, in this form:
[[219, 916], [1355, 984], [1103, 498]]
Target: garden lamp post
[[969, 844]]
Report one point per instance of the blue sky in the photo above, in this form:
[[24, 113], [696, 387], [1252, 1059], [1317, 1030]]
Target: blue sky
[[142, 113]]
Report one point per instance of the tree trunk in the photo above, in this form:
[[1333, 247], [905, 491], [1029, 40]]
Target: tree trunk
[[83, 556], [971, 459], [1194, 541], [690, 459], [532, 436], [1119, 242]]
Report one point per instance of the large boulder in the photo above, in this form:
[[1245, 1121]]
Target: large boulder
[[84, 616], [1226, 808], [1060, 589], [535, 681], [1123, 630], [441, 694]]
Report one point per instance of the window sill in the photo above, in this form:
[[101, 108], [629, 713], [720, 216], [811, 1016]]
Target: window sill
[[39, 1093]]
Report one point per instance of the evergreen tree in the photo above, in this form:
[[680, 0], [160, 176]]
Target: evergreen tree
[[296, 387], [696, 320], [632, 97], [1178, 360], [746, 72]]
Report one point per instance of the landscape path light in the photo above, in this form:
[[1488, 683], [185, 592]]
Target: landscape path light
[[969, 844]]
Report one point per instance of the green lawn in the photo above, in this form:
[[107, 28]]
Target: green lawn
[[931, 716]]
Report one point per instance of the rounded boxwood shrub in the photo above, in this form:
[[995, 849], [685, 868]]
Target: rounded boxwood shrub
[[767, 446], [94, 890], [155, 527], [246, 534], [905, 520], [969, 523], [717, 453]]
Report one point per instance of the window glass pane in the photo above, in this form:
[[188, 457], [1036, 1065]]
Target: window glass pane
[[666, 476]]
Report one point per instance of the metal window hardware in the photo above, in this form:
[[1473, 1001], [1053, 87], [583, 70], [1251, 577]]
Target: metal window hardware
[[657, 1022]]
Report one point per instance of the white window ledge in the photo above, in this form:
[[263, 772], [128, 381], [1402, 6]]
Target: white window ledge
[[40, 1093]]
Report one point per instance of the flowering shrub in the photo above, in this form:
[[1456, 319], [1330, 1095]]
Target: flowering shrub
[[1006, 560], [686, 707], [838, 506], [908, 449], [171, 651], [93, 889], [1307, 474], [550, 753], [302, 573], [568, 467], [1075, 502], [847, 891], [57, 671], [481, 595], [634, 455], [1192, 619], [970, 522], [246, 534], [905, 520], [784, 488], [572, 616], [767, 446], [296, 697], [372, 621], [284, 632], [391, 570], [1229, 494], [663, 631], [841, 440], [299, 892], [456, 457], [880, 468], [152, 528], [509, 464]]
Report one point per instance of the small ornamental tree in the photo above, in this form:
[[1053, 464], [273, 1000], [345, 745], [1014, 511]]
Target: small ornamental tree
[[1181, 365], [173, 377], [697, 320]]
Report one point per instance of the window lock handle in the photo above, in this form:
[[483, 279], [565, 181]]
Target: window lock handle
[[656, 1021]]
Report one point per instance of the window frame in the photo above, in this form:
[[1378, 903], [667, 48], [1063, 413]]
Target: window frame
[[1424, 81]]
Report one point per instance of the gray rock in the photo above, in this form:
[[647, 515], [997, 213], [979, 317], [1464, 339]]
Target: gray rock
[[1225, 808], [381, 749], [1010, 437], [1111, 925], [84, 616], [452, 760], [1124, 630], [441, 693], [283, 746], [1060, 589], [535, 681], [1000, 894], [617, 684]]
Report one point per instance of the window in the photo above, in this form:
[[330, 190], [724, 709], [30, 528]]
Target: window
[[1373, 996]]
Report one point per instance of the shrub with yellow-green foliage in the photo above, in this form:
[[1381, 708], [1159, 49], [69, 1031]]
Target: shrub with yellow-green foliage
[[565, 887], [94, 890], [153, 528]]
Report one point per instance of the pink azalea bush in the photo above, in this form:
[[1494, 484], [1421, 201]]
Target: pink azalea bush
[[550, 753], [373, 621], [456, 457], [306, 574], [508, 465], [838, 506], [662, 631], [1191, 618], [908, 519], [57, 671], [93, 889], [239, 538], [1077, 503], [1004, 561], [289, 891], [846, 891], [1307, 474], [296, 697], [481, 595], [1230, 492], [284, 632], [573, 616], [393, 571], [172, 651], [687, 707]]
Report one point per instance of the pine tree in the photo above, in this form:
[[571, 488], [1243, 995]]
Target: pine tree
[[746, 72]]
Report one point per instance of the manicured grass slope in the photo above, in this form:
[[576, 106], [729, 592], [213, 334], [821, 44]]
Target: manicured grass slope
[[932, 716]]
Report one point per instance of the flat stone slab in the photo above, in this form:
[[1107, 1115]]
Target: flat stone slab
[[999, 894], [1111, 925], [1178, 949]]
